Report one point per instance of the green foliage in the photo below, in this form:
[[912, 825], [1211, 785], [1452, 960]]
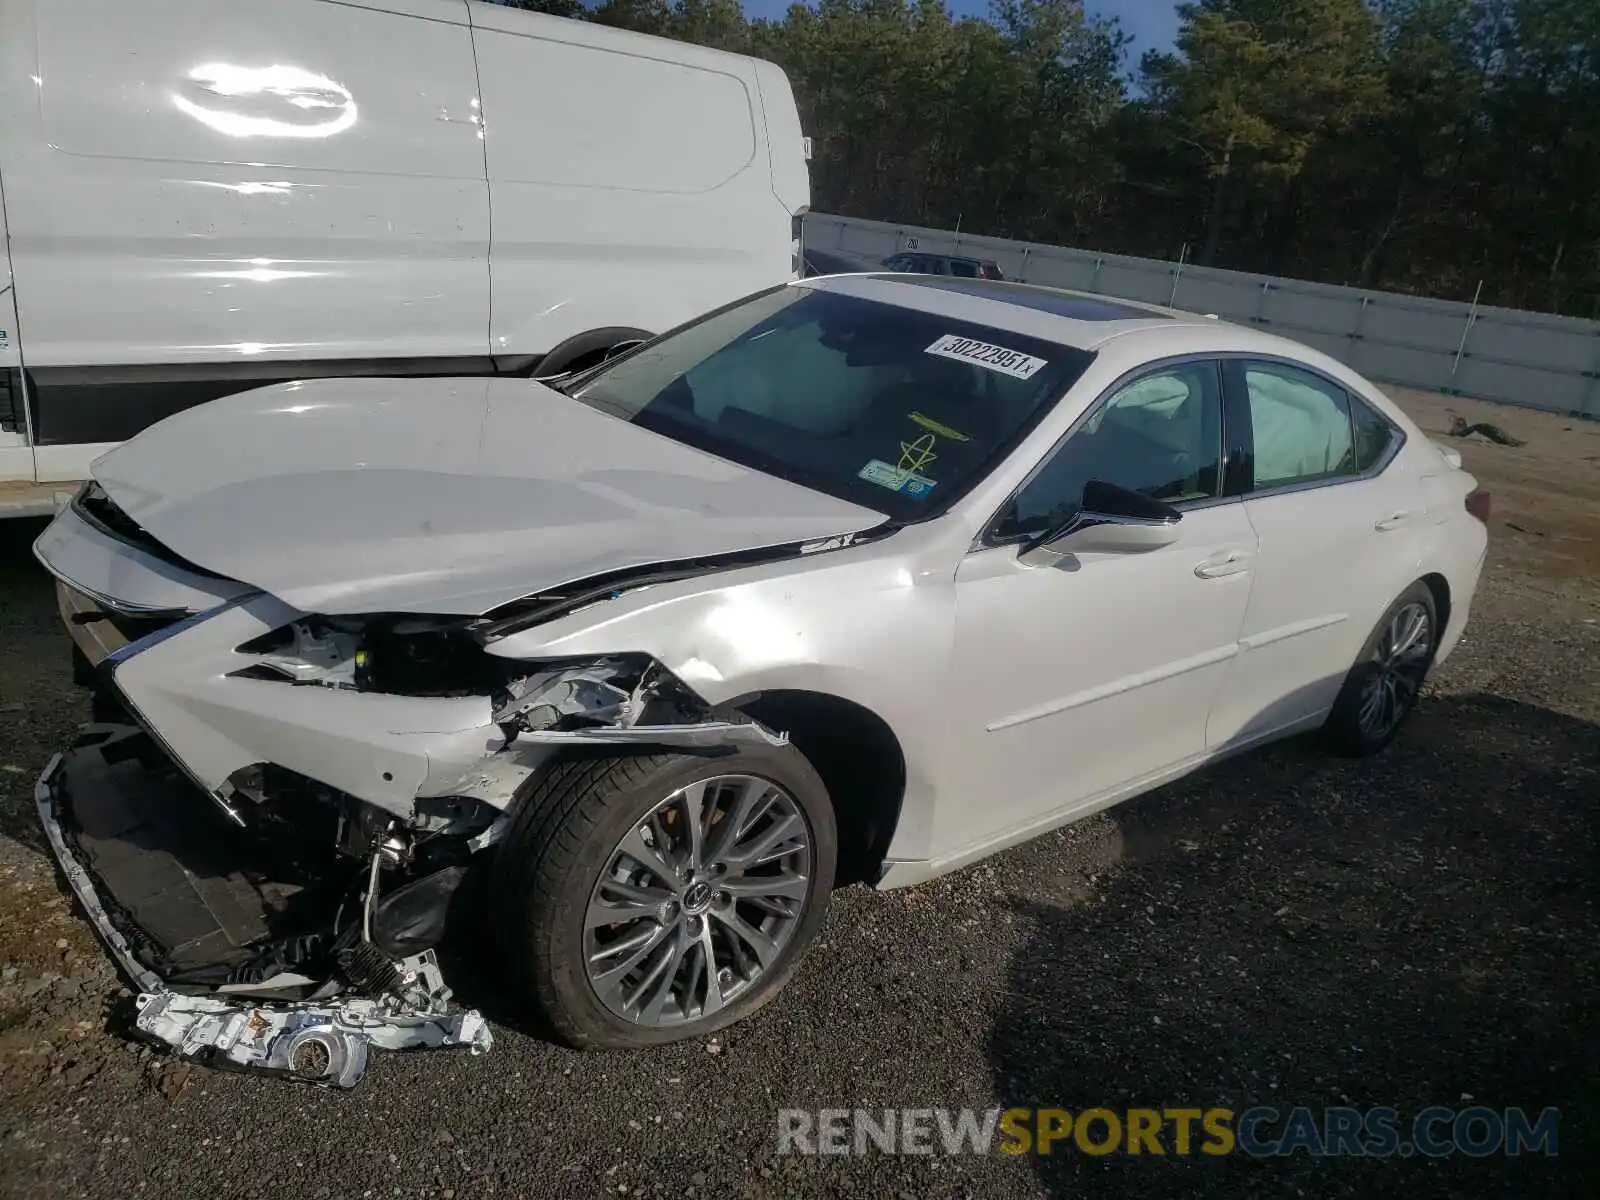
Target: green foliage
[[1413, 144]]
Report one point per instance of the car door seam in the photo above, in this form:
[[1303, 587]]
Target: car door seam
[[1280, 633], [1127, 683]]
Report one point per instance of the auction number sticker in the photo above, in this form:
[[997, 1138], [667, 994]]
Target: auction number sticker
[[996, 358]]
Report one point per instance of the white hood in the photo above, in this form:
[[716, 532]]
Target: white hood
[[440, 495]]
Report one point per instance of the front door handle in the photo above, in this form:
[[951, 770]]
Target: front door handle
[[1392, 521], [1219, 566]]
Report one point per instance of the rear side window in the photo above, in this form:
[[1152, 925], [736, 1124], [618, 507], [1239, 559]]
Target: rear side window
[[1374, 436], [1301, 425]]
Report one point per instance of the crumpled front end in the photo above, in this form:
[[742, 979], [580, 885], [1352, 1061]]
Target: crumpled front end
[[271, 819], [250, 948]]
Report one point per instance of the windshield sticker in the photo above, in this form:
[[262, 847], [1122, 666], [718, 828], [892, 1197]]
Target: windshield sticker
[[933, 426], [914, 456], [996, 358], [897, 479]]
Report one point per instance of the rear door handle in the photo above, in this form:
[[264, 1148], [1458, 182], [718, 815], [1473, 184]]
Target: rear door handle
[[1393, 521], [1219, 566]]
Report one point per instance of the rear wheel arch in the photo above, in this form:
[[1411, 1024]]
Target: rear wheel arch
[[1346, 729], [860, 760], [587, 349], [1440, 587]]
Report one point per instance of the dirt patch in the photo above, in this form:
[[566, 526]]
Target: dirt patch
[[1546, 493]]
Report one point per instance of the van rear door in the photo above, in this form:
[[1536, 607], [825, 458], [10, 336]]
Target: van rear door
[[631, 179], [786, 143]]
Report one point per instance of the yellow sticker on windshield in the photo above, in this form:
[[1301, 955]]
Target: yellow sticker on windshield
[[915, 456], [942, 430]]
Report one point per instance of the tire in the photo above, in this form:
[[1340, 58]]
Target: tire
[[586, 350], [564, 854], [1395, 676]]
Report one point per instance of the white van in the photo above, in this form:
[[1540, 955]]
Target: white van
[[204, 196]]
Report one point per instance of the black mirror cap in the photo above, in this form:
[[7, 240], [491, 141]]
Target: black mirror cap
[[1109, 500], [1104, 502]]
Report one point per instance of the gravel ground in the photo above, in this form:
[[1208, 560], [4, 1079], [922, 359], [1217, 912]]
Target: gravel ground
[[1283, 929]]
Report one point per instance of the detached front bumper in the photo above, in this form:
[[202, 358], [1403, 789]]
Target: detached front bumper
[[215, 930]]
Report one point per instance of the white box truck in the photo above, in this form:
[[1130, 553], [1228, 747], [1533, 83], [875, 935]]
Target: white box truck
[[203, 196]]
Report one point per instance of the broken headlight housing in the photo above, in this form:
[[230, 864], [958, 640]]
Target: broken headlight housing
[[422, 657], [401, 656]]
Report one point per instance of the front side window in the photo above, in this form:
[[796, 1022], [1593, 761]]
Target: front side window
[[1301, 426], [894, 409], [1160, 435]]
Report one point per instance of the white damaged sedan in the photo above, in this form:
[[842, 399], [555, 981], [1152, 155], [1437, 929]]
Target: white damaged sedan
[[864, 577]]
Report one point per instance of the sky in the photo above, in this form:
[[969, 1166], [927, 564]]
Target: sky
[[1153, 23]]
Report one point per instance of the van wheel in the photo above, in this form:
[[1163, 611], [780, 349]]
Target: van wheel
[[588, 349], [646, 899], [1381, 690]]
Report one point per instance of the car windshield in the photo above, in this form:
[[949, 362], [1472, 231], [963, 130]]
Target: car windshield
[[895, 409]]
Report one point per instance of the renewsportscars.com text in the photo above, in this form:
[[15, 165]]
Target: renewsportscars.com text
[[1260, 1132]]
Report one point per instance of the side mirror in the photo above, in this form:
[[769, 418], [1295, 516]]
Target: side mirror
[[1111, 519]]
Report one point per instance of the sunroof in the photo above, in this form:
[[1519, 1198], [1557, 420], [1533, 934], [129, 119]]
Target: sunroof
[[1062, 304]]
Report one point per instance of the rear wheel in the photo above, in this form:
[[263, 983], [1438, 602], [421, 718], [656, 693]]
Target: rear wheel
[[1382, 688], [647, 899]]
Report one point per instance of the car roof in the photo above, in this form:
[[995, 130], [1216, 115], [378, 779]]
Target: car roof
[[1084, 320]]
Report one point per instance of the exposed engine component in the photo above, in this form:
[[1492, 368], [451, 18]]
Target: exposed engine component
[[364, 965], [620, 693], [589, 692], [323, 1043], [303, 985], [411, 919]]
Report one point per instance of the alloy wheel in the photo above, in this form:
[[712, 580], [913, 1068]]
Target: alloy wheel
[[1399, 664], [698, 901]]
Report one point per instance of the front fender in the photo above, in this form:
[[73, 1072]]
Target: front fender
[[870, 630]]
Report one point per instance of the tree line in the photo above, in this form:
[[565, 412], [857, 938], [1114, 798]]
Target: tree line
[[1421, 146]]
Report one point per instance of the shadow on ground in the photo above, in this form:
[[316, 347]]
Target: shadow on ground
[[1416, 929], [33, 658]]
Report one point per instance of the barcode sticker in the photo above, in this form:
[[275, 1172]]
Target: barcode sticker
[[996, 358]]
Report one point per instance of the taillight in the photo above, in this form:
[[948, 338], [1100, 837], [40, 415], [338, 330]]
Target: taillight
[[1478, 504]]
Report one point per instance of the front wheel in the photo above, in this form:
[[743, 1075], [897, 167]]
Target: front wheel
[[647, 899], [1382, 688]]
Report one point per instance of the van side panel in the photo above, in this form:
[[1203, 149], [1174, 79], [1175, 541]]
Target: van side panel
[[227, 181], [630, 176]]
